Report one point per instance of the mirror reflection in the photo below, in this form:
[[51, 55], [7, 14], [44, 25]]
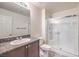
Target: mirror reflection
[[14, 19]]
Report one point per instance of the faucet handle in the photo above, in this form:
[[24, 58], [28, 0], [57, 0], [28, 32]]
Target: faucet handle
[[17, 38]]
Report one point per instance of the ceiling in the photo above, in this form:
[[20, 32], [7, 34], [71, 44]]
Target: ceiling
[[51, 7], [56, 6], [14, 8]]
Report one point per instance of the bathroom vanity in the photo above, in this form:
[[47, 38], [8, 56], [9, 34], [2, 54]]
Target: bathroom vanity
[[29, 49]]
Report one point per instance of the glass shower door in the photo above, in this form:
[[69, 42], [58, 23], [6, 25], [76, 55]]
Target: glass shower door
[[64, 34], [69, 35]]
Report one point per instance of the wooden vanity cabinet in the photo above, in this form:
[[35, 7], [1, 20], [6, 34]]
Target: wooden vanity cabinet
[[29, 50]]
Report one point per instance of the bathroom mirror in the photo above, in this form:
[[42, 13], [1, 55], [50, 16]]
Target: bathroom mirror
[[14, 20]]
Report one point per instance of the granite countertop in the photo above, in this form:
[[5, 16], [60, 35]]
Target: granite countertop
[[6, 46]]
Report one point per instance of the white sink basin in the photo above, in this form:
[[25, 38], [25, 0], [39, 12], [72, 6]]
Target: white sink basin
[[17, 42]]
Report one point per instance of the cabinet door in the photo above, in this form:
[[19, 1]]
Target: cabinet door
[[19, 52], [33, 49]]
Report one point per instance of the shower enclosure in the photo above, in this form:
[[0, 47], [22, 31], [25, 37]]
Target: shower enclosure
[[63, 34]]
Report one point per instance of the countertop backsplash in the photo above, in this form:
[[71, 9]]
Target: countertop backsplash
[[12, 38]]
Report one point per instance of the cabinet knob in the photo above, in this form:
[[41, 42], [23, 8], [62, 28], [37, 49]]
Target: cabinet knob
[[26, 46]]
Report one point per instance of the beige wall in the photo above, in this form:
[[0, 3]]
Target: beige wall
[[36, 21], [44, 24]]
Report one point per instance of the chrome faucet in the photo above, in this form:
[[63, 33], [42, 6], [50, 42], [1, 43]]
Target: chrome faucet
[[20, 38]]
